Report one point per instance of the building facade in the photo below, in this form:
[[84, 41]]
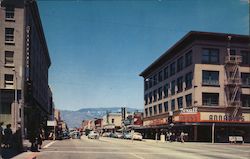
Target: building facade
[[201, 85], [25, 60]]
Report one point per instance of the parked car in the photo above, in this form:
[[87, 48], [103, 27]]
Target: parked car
[[114, 135], [119, 135], [127, 136], [137, 136], [76, 135], [93, 135], [106, 134], [66, 135]]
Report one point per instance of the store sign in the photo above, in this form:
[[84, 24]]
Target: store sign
[[51, 123], [223, 117], [155, 122], [189, 117], [189, 110]]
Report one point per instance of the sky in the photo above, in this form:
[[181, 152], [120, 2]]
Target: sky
[[98, 48]]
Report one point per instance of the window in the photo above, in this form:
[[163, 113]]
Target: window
[[8, 81], [146, 112], [160, 76], [173, 87], [166, 106], [180, 64], [9, 13], [180, 84], [180, 102], [245, 100], [210, 78], [159, 93], [172, 69], [155, 109], [210, 99], [155, 95], [173, 104], [189, 100], [9, 34], [210, 56], [113, 121], [9, 60], [245, 57], [188, 58], [166, 72], [245, 79], [155, 79], [150, 97], [150, 82], [160, 108], [188, 80], [146, 99], [166, 90], [150, 111], [146, 85]]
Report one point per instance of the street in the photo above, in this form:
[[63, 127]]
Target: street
[[108, 148]]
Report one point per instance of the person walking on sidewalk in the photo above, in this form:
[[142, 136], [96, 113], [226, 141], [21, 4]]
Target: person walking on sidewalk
[[182, 137], [8, 136], [41, 138], [1, 134]]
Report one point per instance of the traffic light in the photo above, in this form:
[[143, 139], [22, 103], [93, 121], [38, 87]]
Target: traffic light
[[170, 119]]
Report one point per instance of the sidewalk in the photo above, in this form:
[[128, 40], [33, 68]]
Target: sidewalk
[[28, 154]]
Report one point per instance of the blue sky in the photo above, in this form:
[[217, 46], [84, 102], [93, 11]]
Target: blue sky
[[99, 47]]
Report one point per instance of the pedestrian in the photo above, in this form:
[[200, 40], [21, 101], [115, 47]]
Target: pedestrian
[[8, 136], [171, 137], [1, 134], [40, 138], [182, 137]]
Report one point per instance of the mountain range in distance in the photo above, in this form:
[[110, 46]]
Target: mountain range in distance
[[75, 118]]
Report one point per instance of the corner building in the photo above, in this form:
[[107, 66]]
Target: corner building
[[24, 65], [203, 84]]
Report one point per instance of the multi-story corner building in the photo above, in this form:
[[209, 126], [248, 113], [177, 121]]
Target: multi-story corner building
[[202, 83], [24, 64]]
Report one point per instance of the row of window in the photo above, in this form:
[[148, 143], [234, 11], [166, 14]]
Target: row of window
[[209, 56], [169, 70], [209, 78], [169, 88], [208, 99], [158, 109]]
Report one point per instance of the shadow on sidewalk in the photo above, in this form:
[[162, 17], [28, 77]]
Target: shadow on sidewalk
[[7, 153]]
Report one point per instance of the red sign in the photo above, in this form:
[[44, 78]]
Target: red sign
[[187, 118]]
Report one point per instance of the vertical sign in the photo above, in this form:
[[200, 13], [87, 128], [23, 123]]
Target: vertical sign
[[27, 67]]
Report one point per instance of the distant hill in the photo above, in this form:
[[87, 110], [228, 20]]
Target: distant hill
[[74, 118]]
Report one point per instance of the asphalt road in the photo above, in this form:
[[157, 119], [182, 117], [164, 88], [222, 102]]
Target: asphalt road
[[109, 148]]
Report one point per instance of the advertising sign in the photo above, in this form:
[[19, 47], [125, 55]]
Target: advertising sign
[[51, 123]]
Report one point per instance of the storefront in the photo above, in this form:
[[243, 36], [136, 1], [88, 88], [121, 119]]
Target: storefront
[[200, 126]]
